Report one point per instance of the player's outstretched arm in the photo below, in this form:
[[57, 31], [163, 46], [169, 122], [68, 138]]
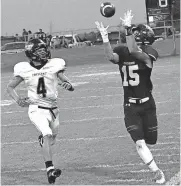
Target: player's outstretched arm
[[23, 102], [64, 81], [130, 39], [133, 48], [111, 56]]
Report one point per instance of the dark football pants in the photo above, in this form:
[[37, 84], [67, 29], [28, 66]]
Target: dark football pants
[[141, 121]]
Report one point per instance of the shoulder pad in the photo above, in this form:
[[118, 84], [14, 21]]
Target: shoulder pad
[[59, 64], [150, 51], [21, 68]]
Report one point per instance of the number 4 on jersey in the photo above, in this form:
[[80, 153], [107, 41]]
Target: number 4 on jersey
[[41, 87]]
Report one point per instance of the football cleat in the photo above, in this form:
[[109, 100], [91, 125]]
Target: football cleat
[[159, 177], [52, 174]]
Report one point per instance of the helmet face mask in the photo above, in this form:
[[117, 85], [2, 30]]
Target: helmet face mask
[[41, 53], [37, 51], [145, 33]]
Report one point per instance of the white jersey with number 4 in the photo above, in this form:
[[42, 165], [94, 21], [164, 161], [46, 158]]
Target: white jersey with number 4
[[41, 83]]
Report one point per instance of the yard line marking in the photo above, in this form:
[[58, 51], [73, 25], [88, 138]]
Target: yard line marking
[[166, 66], [90, 167], [91, 119], [167, 143], [135, 171], [164, 114], [11, 112], [127, 180], [171, 137], [129, 164], [26, 170], [98, 74], [92, 106], [140, 171], [110, 73], [70, 139], [6, 102], [74, 84], [101, 67], [4, 77], [174, 77], [159, 155], [82, 120], [119, 86], [79, 83], [168, 155], [77, 139], [167, 148], [175, 180], [18, 124], [71, 74]]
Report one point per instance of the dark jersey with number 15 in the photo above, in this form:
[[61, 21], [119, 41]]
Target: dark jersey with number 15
[[136, 75]]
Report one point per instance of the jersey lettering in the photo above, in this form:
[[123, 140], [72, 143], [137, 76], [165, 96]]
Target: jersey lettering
[[128, 72]]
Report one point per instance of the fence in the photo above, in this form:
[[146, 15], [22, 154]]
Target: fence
[[161, 28]]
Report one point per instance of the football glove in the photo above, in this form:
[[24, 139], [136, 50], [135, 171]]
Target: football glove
[[67, 86], [23, 102], [127, 19], [103, 31]]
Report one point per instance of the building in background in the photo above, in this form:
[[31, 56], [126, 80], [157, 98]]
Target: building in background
[[158, 12]]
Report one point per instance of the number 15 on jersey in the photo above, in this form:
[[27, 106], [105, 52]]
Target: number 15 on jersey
[[130, 78]]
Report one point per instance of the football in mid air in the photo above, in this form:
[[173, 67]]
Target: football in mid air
[[107, 9]]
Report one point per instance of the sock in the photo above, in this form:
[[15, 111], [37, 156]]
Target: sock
[[152, 165], [49, 165], [146, 155]]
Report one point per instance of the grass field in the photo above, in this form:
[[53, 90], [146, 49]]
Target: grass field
[[93, 146]]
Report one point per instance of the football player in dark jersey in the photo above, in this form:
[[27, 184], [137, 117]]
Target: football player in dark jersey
[[135, 65]]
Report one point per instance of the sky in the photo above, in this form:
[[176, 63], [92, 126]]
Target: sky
[[63, 14]]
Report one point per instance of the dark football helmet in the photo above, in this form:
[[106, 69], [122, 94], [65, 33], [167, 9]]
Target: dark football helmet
[[142, 32], [36, 50]]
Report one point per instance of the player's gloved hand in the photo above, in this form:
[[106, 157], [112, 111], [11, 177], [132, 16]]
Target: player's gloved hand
[[128, 16], [23, 102], [103, 31], [67, 86]]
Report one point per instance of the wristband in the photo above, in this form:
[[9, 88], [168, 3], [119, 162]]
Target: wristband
[[128, 31], [105, 39]]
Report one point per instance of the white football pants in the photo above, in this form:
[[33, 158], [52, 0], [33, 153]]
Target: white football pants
[[44, 120]]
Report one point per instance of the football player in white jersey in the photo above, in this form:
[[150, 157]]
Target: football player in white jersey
[[41, 75]]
